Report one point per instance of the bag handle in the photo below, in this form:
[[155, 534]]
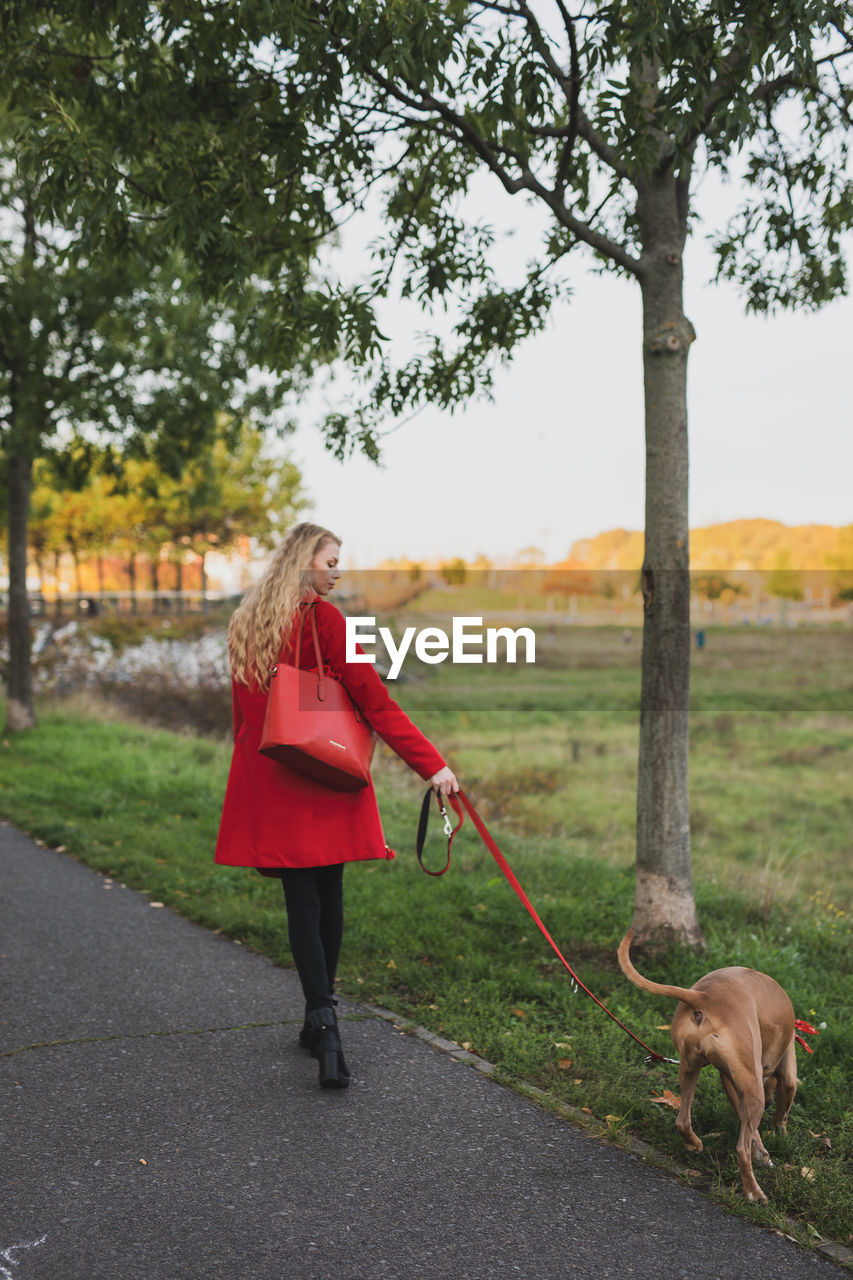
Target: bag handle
[[321, 671]]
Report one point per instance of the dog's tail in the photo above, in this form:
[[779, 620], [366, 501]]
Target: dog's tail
[[693, 998]]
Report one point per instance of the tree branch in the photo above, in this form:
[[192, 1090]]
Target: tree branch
[[466, 132], [579, 124], [418, 195], [729, 75], [574, 104]]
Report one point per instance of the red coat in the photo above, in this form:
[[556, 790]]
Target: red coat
[[273, 817]]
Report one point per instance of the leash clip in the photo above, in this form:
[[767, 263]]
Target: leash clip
[[448, 825]]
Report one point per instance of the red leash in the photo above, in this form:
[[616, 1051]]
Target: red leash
[[809, 1030], [450, 831]]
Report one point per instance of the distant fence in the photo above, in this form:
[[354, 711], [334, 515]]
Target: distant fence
[[378, 597], [93, 604]]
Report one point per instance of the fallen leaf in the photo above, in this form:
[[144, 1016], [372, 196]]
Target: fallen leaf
[[156, 904], [562, 1044], [613, 1119], [392, 964], [664, 1026], [668, 1099], [519, 1013], [808, 1174], [564, 1064], [578, 1081], [586, 1111], [143, 1161]]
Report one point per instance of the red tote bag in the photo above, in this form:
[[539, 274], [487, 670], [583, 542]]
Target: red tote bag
[[313, 726]]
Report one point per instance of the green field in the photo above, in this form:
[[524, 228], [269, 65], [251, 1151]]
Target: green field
[[548, 755]]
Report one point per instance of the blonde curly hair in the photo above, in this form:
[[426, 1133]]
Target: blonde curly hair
[[263, 617]]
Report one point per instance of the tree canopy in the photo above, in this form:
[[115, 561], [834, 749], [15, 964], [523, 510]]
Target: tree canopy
[[105, 355], [246, 134], [249, 134]]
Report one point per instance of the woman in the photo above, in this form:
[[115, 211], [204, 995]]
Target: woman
[[290, 826]]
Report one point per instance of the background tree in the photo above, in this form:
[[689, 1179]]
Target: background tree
[[840, 560], [454, 572], [603, 118], [238, 487], [784, 580], [43, 535], [113, 349]]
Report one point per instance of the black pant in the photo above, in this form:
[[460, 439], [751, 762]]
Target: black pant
[[315, 923]]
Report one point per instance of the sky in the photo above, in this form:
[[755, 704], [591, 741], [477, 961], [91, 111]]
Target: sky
[[559, 455]]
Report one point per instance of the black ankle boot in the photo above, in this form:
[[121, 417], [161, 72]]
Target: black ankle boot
[[324, 1042], [307, 1034]]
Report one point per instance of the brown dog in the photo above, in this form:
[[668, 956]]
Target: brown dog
[[741, 1022]]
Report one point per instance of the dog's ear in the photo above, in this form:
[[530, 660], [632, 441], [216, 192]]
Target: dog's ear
[[698, 1017]]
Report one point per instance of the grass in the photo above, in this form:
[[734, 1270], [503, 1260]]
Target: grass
[[548, 754]]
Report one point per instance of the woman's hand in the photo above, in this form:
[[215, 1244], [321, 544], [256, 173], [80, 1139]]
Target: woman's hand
[[444, 781]]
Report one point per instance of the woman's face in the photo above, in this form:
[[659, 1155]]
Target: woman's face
[[324, 568]]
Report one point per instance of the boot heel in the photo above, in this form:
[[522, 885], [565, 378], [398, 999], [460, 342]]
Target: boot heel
[[326, 1048], [333, 1073]]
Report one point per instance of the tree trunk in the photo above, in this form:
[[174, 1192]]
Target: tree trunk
[[20, 709], [78, 580], [57, 603], [154, 572], [664, 905]]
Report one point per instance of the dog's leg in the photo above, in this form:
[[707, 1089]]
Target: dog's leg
[[749, 1141], [688, 1075], [786, 1087], [759, 1151], [746, 1094], [769, 1089]]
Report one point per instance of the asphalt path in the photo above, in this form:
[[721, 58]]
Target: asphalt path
[[158, 1120]]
